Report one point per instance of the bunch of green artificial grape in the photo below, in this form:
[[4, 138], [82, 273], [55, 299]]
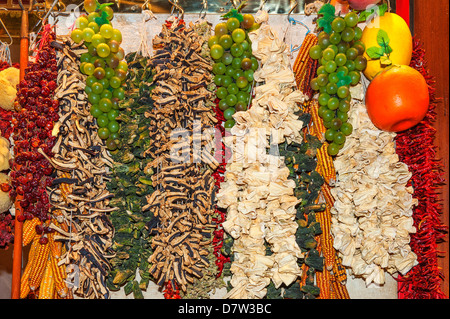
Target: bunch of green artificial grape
[[234, 65], [104, 66], [339, 52]]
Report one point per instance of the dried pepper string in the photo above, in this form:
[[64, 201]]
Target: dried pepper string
[[415, 148]]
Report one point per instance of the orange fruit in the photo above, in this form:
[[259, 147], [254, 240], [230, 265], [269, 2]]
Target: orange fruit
[[400, 40], [397, 98]]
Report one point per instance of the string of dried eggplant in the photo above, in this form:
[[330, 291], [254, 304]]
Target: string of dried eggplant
[[78, 192], [182, 158], [131, 182]]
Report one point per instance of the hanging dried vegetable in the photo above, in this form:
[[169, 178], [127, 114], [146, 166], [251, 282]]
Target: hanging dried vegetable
[[78, 196], [415, 148], [181, 126], [372, 213], [264, 211], [131, 182]]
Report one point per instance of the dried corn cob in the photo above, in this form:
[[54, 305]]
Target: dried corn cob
[[24, 281], [29, 230], [324, 283], [39, 263], [304, 67], [59, 274], [47, 287]]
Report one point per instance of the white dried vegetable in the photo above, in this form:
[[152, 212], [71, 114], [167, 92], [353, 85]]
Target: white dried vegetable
[[257, 192], [372, 214]]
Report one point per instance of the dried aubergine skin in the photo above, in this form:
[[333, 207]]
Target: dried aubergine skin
[[130, 183]]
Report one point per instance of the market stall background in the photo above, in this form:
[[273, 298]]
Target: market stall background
[[130, 25]]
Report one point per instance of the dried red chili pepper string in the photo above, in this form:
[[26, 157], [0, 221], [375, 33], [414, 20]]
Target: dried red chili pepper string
[[415, 148], [6, 219]]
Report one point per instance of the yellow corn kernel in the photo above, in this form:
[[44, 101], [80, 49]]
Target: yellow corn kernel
[[47, 286], [59, 273], [40, 261], [29, 230]]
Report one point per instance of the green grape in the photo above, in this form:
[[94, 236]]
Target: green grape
[[315, 52], [331, 88], [333, 149], [249, 75], [246, 64], [97, 39], [90, 5], [323, 89], [360, 63], [94, 26], [350, 65], [323, 99], [92, 50], [346, 129], [314, 85], [233, 89], [104, 82], [76, 35], [247, 21], [336, 123], [343, 92], [255, 63], [334, 47], [327, 124], [333, 77], [220, 29], [328, 116], [229, 124], [103, 132], [114, 82], [321, 110], [237, 74], [223, 105], [216, 51], [330, 66], [219, 68], [324, 41], [358, 33], [226, 41], [116, 35], [221, 93], [246, 46], [335, 37], [348, 34], [226, 81], [340, 59], [92, 15], [114, 46], [123, 65], [342, 68], [330, 134], [89, 69], [88, 33], [322, 80], [111, 143], [217, 79], [119, 93], [90, 80], [106, 94], [338, 24], [236, 50], [93, 98], [241, 82], [88, 90], [105, 105], [343, 116], [236, 63], [97, 88], [99, 63], [99, 73], [352, 53], [344, 106], [231, 100], [120, 54], [85, 57], [333, 103], [95, 111], [121, 74], [106, 30], [113, 126], [321, 70], [355, 76], [81, 22], [228, 113], [328, 54], [227, 58], [232, 24], [214, 39], [238, 36], [343, 47], [339, 138], [351, 19], [360, 47], [240, 106]]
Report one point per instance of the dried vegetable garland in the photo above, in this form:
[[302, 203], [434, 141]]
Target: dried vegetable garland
[[78, 195], [372, 212], [265, 206], [415, 148], [182, 203], [131, 182]]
